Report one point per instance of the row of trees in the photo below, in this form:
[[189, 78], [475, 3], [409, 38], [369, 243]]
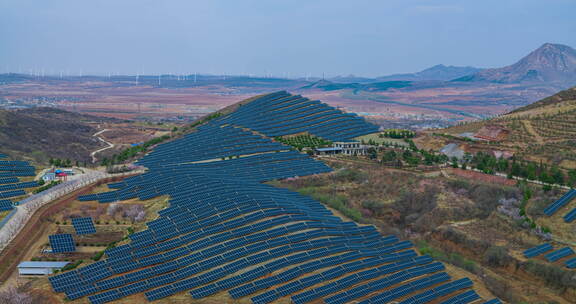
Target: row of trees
[[66, 163], [129, 153], [489, 164], [397, 133], [411, 156], [304, 141]]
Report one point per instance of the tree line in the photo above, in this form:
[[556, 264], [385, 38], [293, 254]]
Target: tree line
[[129, 153], [514, 166]]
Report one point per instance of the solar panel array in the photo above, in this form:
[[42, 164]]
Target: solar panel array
[[571, 263], [538, 250], [281, 114], [13, 168], [62, 243], [570, 216], [83, 225], [10, 170], [226, 230], [8, 180], [559, 254], [463, 298], [12, 193], [6, 205], [561, 202], [2, 155], [19, 186], [552, 256]]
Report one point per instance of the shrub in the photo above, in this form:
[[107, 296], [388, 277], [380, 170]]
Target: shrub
[[351, 175], [98, 255], [337, 202], [72, 265], [553, 275], [497, 256]]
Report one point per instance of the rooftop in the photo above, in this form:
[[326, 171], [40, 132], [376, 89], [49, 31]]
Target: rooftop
[[328, 149], [34, 264]]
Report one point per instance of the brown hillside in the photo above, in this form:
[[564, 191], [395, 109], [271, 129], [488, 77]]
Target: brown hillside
[[41, 133], [543, 131]]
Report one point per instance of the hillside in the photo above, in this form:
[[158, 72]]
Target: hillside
[[543, 131], [437, 72], [42, 133], [228, 237], [548, 63], [560, 99]]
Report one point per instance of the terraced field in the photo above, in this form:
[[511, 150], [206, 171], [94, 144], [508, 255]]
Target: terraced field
[[544, 131]]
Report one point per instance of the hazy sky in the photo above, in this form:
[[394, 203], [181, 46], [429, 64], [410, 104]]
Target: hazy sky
[[296, 37]]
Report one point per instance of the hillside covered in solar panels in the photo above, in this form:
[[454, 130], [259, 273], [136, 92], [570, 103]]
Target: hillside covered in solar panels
[[226, 233], [11, 186]]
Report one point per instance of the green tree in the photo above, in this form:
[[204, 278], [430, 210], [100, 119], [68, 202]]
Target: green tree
[[454, 162], [389, 155]]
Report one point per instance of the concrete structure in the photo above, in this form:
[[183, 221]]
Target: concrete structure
[[39, 268], [49, 176], [346, 148], [328, 151], [352, 148]]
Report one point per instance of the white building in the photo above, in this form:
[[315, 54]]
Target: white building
[[352, 148], [39, 268]]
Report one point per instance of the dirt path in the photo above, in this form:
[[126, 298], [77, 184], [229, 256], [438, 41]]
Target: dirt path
[[532, 132], [110, 145]]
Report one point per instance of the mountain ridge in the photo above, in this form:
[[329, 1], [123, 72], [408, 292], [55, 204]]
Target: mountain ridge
[[438, 72], [548, 63]]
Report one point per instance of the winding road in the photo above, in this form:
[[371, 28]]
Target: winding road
[[110, 145]]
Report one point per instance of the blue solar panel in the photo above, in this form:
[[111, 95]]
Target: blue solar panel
[[224, 229], [8, 180], [62, 243], [570, 216], [6, 205], [561, 202], [463, 298], [559, 254], [538, 250], [83, 225]]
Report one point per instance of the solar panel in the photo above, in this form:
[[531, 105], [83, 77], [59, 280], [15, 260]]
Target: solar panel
[[561, 202], [6, 205], [559, 254], [224, 229], [83, 225], [8, 180], [62, 243], [538, 250]]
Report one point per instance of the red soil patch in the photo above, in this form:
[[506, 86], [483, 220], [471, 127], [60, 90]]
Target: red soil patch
[[487, 178]]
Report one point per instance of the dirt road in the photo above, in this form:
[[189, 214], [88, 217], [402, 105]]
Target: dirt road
[[110, 145]]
